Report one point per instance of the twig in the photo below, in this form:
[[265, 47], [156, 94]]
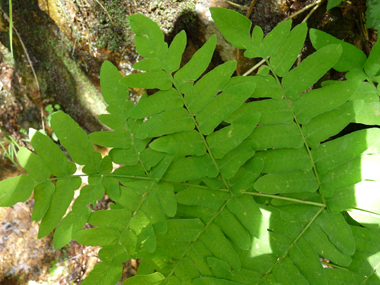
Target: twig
[[34, 73], [10, 26], [255, 67], [304, 9], [67, 16], [236, 5], [106, 11], [312, 11], [253, 3]]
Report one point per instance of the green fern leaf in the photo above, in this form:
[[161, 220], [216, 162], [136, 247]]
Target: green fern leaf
[[196, 66], [228, 138], [76, 142], [215, 187], [154, 279], [149, 39], [233, 229], [72, 223], [33, 164], [180, 144], [288, 182], [272, 112], [16, 189], [246, 176], [372, 15], [210, 84], [52, 156], [149, 80], [161, 101], [310, 70], [247, 211], [275, 38], [235, 28], [286, 159], [319, 101], [118, 218], [351, 57], [42, 198], [169, 122], [174, 55], [283, 60], [368, 114], [223, 105], [104, 273], [326, 125], [332, 154], [321, 243], [333, 3], [338, 231], [288, 273], [230, 163], [372, 65], [60, 201], [277, 136], [101, 236], [164, 195], [189, 168], [307, 262]]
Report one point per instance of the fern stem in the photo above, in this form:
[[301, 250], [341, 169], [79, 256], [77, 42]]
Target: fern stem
[[134, 146], [197, 238], [135, 212], [255, 67], [295, 240], [373, 85], [374, 270], [303, 231], [299, 129], [216, 165], [197, 126], [304, 9], [319, 3], [286, 198], [366, 211], [10, 27]]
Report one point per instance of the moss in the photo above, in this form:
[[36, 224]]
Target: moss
[[60, 76], [111, 34]]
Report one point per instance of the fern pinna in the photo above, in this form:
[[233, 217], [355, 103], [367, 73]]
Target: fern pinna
[[215, 187]]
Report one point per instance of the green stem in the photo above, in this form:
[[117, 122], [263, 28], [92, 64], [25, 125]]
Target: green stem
[[197, 238], [373, 85], [10, 27], [197, 126], [295, 240], [299, 129], [303, 10], [255, 67], [374, 270], [303, 231], [366, 211], [286, 198], [136, 211]]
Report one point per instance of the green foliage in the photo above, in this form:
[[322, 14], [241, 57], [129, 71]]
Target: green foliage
[[253, 186], [373, 14]]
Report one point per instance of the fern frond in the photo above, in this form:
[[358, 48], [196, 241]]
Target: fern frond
[[222, 180]]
